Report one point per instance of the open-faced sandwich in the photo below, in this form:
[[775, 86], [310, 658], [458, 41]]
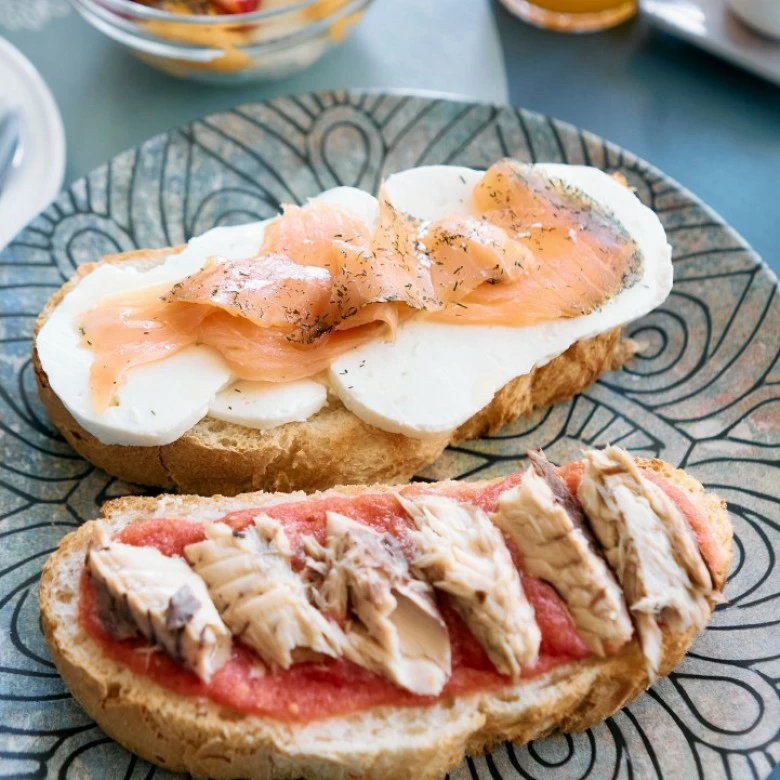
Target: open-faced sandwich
[[378, 632], [349, 340]]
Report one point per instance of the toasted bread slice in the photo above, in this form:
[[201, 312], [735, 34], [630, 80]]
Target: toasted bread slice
[[203, 738], [222, 457]]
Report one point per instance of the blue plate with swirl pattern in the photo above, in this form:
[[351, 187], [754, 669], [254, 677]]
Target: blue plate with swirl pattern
[[704, 394]]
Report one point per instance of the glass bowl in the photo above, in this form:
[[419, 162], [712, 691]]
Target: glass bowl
[[282, 38]]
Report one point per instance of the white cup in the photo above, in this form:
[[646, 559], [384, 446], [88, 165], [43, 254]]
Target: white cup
[[763, 15]]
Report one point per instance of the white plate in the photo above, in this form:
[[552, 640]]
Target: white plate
[[36, 178], [712, 26]]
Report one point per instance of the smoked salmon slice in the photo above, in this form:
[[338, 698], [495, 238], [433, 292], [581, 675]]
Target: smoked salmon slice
[[269, 291], [578, 255], [324, 281], [367, 266], [137, 329]]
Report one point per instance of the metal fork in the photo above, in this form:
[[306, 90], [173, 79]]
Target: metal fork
[[9, 141]]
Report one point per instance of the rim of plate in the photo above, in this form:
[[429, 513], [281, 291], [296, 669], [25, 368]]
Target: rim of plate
[[43, 133]]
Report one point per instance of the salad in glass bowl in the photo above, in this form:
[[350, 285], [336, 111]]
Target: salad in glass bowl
[[225, 41]]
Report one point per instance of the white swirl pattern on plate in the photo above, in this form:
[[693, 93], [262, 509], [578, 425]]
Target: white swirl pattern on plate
[[705, 394]]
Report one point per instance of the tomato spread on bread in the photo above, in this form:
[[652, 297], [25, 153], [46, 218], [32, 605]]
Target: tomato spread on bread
[[305, 609]]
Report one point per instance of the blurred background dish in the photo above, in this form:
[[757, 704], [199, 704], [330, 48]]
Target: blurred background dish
[[9, 140], [710, 25], [761, 15], [225, 41], [573, 15], [36, 174]]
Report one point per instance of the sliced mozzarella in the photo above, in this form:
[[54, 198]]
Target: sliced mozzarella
[[232, 242], [364, 206], [161, 401], [435, 376], [157, 403], [266, 405], [433, 191]]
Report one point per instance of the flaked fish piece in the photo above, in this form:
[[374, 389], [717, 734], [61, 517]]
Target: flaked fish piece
[[649, 545], [461, 553], [547, 524], [262, 600], [392, 623], [140, 590]]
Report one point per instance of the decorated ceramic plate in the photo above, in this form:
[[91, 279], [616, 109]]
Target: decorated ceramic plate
[[704, 394]]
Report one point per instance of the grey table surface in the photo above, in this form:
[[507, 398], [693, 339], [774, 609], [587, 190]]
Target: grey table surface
[[110, 101], [711, 126]]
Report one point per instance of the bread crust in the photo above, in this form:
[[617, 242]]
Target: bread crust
[[332, 447], [205, 739]]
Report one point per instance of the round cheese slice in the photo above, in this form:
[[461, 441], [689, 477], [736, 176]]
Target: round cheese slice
[[435, 376], [266, 405], [160, 401]]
